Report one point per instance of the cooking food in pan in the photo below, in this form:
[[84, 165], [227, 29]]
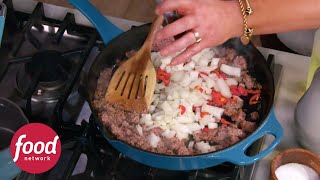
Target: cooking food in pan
[[197, 107]]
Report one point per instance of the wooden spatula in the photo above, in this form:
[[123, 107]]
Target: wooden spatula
[[133, 83]]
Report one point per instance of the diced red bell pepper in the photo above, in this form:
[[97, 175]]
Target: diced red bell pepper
[[206, 130], [163, 76], [198, 88], [224, 121], [166, 82], [182, 109], [218, 99], [234, 90], [250, 91], [242, 91], [233, 87], [223, 76], [204, 73], [215, 94], [217, 102], [254, 99], [223, 100], [203, 114], [217, 73], [163, 73]]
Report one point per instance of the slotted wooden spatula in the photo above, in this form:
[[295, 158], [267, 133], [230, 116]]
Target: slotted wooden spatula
[[133, 83]]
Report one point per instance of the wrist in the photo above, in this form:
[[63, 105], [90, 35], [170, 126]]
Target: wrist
[[236, 19]]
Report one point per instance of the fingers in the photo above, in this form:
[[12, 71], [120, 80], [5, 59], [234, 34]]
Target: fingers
[[177, 27], [188, 53], [170, 5], [181, 43]]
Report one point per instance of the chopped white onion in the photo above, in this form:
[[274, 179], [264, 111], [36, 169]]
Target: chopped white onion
[[233, 71], [166, 107], [139, 129], [206, 120], [181, 135], [189, 66], [184, 119], [191, 144], [144, 118], [153, 140], [231, 82], [148, 123], [215, 61], [186, 80], [212, 125], [177, 76], [194, 75], [179, 67], [214, 111], [202, 147], [194, 127], [224, 88], [151, 127], [164, 110]]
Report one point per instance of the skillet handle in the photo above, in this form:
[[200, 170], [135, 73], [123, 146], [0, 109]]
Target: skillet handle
[[237, 155], [106, 29]]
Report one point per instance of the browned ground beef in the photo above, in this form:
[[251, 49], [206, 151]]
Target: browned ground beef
[[224, 136], [239, 116], [254, 116], [232, 107], [248, 126], [240, 62], [122, 123]]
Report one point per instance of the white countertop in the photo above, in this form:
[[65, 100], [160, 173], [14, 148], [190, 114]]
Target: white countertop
[[291, 88]]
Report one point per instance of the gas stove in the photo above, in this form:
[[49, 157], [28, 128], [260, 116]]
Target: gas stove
[[43, 65]]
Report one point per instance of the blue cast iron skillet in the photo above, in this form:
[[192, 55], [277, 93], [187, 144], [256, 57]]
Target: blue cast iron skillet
[[117, 44]]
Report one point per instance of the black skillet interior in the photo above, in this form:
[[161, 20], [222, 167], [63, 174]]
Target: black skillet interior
[[133, 40]]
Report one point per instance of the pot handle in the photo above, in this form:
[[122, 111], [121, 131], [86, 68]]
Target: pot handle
[[237, 154], [8, 169], [106, 29]]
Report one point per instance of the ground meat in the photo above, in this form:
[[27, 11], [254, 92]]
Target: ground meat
[[254, 116], [122, 124], [239, 116], [157, 131], [228, 53], [223, 61], [205, 136], [240, 62], [157, 45], [232, 107], [248, 80], [248, 126], [223, 136], [103, 83]]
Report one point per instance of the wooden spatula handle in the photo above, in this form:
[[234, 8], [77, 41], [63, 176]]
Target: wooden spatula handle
[[154, 27]]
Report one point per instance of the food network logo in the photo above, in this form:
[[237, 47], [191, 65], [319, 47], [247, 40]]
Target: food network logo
[[35, 148]]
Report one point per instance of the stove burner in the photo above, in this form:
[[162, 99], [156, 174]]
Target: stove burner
[[51, 69], [53, 66]]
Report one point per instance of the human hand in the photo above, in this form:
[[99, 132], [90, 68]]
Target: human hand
[[215, 20]]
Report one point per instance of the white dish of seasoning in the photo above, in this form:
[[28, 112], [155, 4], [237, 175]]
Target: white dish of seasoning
[[295, 164]]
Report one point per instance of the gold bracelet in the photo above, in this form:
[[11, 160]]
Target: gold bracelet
[[247, 31]]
